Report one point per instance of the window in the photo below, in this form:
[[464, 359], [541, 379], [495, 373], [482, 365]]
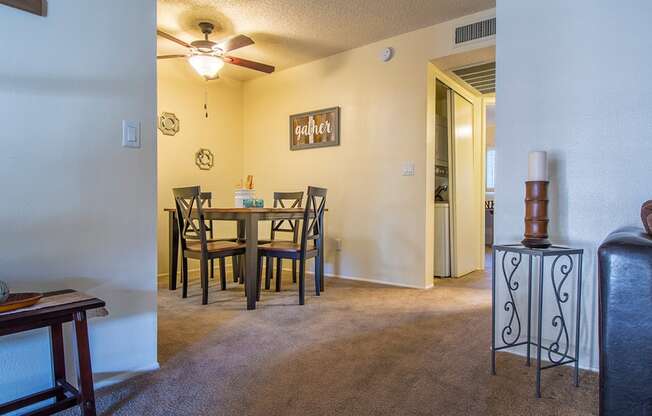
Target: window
[[491, 169]]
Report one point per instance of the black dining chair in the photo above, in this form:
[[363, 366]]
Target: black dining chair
[[308, 247], [206, 199], [195, 243], [283, 200]]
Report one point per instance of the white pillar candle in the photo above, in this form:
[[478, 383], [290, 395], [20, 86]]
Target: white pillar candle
[[537, 168]]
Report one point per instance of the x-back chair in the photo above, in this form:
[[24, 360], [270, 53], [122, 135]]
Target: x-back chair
[[308, 246], [195, 241], [206, 200], [283, 200]]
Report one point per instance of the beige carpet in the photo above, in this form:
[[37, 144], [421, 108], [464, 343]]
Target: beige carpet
[[359, 349]]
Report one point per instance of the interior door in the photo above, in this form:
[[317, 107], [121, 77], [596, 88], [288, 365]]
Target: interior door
[[463, 196]]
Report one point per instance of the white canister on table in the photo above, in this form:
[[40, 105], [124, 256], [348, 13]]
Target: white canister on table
[[242, 194]]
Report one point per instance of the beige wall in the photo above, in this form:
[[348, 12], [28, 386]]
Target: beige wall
[[181, 91], [384, 219]]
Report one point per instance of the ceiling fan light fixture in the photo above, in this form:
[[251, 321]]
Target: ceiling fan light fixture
[[206, 65]]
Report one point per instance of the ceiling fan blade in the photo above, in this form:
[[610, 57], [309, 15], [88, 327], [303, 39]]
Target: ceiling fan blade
[[234, 43], [268, 69], [172, 38], [171, 56]]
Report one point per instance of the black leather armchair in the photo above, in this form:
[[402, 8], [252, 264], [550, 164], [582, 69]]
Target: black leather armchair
[[625, 274]]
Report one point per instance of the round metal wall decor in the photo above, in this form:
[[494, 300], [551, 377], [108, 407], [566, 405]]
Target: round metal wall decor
[[168, 123], [204, 159]]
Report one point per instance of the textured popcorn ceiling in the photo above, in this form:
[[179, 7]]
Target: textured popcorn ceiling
[[292, 32]]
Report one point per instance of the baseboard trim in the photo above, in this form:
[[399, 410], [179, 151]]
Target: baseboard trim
[[126, 375], [364, 279], [190, 271], [229, 267], [379, 282], [337, 276]]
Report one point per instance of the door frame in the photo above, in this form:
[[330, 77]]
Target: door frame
[[487, 100], [479, 155]]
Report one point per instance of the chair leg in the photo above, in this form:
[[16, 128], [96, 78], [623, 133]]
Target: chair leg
[[212, 269], [279, 273], [184, 277], [259, 276], [234, 264], [201, 281], [241, 274], [322, 284], [317, 278], [203, 270], [302, 283], [294, 271], [222, 273], [181, 276], [268, 272]]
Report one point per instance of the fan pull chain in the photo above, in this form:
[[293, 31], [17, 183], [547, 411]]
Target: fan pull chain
[[206, 99]]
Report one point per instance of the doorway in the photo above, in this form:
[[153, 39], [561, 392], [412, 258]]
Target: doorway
[[464, 108], [455, 182]]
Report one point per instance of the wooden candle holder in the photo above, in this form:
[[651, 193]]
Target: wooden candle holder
[[536, 215]]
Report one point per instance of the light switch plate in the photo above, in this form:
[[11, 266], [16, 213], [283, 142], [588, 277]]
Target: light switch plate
[[130, 133], [408, 169]]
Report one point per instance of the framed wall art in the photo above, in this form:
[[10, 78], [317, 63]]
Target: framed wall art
[[320, 128]]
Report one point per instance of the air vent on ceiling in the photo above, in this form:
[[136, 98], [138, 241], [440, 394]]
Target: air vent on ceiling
[[481, 77], [475, 30]]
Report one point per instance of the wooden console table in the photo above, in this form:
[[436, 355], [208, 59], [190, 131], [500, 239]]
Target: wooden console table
[[54, 309]]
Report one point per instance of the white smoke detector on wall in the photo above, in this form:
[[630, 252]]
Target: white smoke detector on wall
[[386, 54]]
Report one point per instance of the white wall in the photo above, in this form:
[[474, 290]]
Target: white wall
[[577, 85], [385, 220], [181, 91], [78, 210]]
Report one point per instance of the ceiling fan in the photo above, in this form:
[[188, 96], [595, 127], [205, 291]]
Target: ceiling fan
[[208, 57]]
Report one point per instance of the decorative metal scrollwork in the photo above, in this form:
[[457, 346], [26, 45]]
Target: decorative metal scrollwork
[[513, 329], [204, 159], [168, 123], [557, 353]]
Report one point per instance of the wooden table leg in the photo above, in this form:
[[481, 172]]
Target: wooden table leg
[[58, 357], [85, 375], [241, 238], [173, 232], [321, 253], [251, 259]]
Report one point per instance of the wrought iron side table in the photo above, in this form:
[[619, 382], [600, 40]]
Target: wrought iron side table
[[558, 350]]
